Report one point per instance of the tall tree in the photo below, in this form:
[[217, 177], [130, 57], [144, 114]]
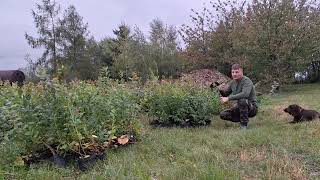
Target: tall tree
[[73, 37], [119, 47], [122, 37], [197, 37], [106, 51], [140, 54], [164, 50], [45, 18]]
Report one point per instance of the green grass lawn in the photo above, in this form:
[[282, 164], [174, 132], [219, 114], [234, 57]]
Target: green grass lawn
[[270, 149]]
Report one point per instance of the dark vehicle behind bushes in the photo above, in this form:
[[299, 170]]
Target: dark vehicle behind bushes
[[13, 76]]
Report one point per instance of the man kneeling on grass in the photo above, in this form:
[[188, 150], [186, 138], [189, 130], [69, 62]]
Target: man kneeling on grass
[[241, 90]]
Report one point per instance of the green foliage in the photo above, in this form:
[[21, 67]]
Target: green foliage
[[271, 148], [75, 46], [11, 153], [271, 39], [263, 100], [66, 44], [164, 49], [131, 52], [186, 105], [70, 54], [66, 116]]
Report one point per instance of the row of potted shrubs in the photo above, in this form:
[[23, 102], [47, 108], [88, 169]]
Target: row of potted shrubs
[[83, 119]]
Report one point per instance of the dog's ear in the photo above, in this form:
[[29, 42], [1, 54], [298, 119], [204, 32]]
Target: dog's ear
[[297, 105], [299, 108], [294, 109]]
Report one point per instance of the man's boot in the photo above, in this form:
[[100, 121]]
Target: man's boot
[[244, 113]]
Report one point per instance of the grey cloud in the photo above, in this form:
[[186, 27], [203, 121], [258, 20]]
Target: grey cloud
[[102, 16]]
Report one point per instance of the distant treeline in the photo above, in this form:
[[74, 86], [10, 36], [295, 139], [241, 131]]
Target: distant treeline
[[272, 39]]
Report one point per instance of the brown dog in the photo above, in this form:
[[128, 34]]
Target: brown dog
[[301, 114]]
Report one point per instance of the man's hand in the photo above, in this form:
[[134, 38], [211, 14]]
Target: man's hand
[[224, 99]]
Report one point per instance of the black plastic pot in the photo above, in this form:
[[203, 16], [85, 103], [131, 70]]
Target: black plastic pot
[[85, 163]]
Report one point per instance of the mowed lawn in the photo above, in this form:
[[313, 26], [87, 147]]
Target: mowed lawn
[[270, 149]]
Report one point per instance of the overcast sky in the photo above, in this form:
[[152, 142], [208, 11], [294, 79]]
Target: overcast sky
[[102, 16]]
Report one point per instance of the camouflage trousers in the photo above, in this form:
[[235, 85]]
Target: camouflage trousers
[[241, 112]]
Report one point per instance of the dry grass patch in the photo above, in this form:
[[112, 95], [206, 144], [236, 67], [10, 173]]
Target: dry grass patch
[[274, 164], [282, 165], [253, 155], [279, 113]]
